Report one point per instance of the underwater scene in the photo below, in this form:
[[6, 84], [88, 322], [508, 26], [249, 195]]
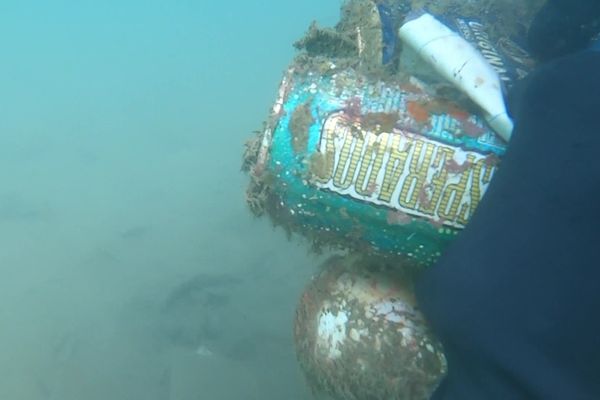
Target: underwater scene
[[131, 266], [328, 200]]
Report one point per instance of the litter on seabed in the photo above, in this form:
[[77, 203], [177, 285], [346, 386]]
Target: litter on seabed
[[381, 142]]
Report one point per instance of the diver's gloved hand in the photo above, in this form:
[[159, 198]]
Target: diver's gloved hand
[[562, 27]]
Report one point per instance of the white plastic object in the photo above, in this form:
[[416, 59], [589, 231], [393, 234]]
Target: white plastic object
[[458, 61]]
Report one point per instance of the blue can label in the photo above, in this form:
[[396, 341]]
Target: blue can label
[[361, 164]]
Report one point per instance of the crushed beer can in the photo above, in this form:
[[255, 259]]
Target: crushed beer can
[[369, 156], [372, 165]]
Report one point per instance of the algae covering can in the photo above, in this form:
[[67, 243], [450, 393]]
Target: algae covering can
[[370, 165]]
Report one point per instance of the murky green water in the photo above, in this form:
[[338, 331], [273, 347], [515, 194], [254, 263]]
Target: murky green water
[[131, 268]]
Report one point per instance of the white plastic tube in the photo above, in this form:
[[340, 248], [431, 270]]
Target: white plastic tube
[[456, 60]]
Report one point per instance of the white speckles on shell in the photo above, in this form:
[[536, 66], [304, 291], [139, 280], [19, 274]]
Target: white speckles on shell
[[377, 343], [408, 337], [332, 332], [362, 364], [356, 334], [360, 335], [392, 311]]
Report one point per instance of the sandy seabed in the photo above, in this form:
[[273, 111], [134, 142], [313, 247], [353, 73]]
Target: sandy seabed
[[131, 268]]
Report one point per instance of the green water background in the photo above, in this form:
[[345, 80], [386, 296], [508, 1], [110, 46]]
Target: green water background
[[121, 130]]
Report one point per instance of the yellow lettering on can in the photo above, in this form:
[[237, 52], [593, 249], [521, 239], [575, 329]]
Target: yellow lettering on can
[[393, 170], [417, 175], [476, 193], [438, 180], [453, 194], [373, 158], [344, 173]]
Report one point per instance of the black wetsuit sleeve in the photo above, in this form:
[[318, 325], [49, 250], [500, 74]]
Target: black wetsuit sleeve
[[515, 298]]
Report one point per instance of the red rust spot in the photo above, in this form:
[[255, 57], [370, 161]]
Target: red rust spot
[[455, 168], [410, 87], [372, 187], [417, 111], [424, 199], [438, 223], [398, 217], [352, 109], [457, 113], [471, 129], [491, 160]]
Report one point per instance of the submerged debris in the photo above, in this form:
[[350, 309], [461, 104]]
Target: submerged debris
[[359, 334], [300, 122], [326, 42], [511, 17], [366, 147], [251, 150]]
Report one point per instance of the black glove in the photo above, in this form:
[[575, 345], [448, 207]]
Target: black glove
[[562, 27]]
